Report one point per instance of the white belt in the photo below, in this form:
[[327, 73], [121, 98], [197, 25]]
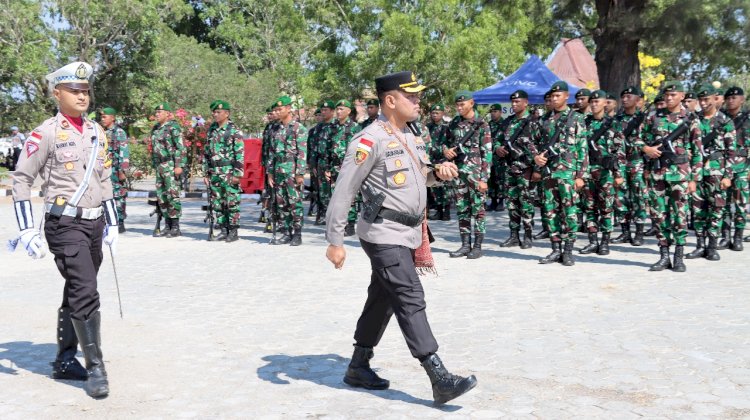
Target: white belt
[[88, 214]]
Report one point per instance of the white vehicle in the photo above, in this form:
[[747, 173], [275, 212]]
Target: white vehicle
[[6, 148]]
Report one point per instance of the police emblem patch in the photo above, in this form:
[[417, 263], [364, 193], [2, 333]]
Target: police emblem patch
[[399, 178], [361, 156], [31, 148], [69, 166]]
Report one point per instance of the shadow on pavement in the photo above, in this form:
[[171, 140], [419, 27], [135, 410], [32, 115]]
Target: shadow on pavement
[[328, 370], [31, 357]]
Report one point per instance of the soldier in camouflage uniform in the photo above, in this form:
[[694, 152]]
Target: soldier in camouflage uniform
[[373, 110], [120, 157], [269, 131], [322, 152], [312, 162], [675, 169], [287, 163], [719, 156], [537, 186], [611, 108], [512, 145], [467, 142], [499, 167], [606, 167], [168, 154], [441, 193], [690, 102], [338, 136], [223, 159], [630, 202], [739, 194], [561, 156], [583, 99]]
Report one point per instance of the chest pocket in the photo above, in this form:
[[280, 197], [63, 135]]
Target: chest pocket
[[64, 156], [397, 172]]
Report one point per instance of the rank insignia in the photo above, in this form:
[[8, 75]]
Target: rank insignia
[[392, 145], [62, 136], [399, 178], [69, 166], [65, 124], [398, 163]]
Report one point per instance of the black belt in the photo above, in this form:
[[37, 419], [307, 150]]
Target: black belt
[[222, 163], [405, 219], [715, 156], [673, 159]]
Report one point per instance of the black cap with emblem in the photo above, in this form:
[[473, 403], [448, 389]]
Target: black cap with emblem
[[519, 94], [404, 80], [734, 90]]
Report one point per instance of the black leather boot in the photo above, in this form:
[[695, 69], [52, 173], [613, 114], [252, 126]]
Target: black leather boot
[[121, 227], [678, 266], [360, 375], [700, 249], [493, 205], [222, 234], [296, 238], [512, 240], [725, 241], [651, 231], [543, 234], [737, 241], [283, 239], [593, 245], [638, 238], [320, 218], [500, 204], [447, 213], [445, 385], [465, 246], [174, 231], [349, 229], [711, 253], [89, 334], [663, 262], [527, 243], [554, 256], [476, 249], [604, 245], [233, 233], [167, 228], [66, 366], [624, 237], [438, 215], [567, 257]]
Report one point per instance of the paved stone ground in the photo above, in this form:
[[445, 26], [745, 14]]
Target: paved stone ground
[[247, 330]]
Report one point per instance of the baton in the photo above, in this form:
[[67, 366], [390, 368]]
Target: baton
[[117, 283]]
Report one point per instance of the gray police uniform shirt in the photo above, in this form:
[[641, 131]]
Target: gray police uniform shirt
[[376, 158], [58, 153]]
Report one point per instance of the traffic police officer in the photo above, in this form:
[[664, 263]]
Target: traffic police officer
[[69, 153], [385, 162]]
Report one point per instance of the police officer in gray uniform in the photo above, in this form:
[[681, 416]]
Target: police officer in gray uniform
[[69, 152], [389, 165]]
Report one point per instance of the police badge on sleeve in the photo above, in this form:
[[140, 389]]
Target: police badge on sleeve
[[364, 147]]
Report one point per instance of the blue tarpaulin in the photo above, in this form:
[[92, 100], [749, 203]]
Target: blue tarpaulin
[[533, 77]]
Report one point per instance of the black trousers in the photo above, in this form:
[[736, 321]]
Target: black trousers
[[77, 246], [394, 289]]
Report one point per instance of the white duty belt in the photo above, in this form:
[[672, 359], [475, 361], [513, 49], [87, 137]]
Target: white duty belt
[[88, 214]]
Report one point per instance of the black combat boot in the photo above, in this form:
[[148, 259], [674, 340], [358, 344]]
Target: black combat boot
[[222, 236], [624, 237], [737, 241], [725, 241], [447, 213], [167, 228], [512, 240], [638, 238], [320, 218], [543, 234], [593, 245], [311, 209], [89, 334], [678, 266], [283, 240], [568, 258], [493, 205], [174, 231], [526, 244], [604, 245], [651, 231], [359, 374], [465, 246], [233, 233], [476, 249], [500, 204], [66, 366], [438, 215], [711, 253], [121, 226], [296, 238], [349, 229], [664, 261], [700, 249], [554, 256], [445, 385]]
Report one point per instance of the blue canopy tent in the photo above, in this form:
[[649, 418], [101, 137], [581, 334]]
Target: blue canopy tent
[[533, 77]]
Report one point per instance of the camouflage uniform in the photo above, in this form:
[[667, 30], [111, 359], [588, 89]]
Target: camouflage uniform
[[520, 166], [269, 132], [337, 137], [739, 193], [287, 161], [325, 189], [223, 158], [631, 199], [120, 156], [669, 177], [499, 168], [313, 136], [168, 153], [441, 192]]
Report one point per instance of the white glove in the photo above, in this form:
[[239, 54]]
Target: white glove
[[110, 237], [31, 240]]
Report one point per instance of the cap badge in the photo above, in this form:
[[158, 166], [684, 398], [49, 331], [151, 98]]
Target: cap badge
[[81, 72]]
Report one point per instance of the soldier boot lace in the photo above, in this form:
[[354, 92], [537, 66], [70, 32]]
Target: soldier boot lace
[[465, 246], [445, 385], [360, 375]]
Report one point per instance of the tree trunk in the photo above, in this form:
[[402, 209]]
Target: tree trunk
[[617, 35]]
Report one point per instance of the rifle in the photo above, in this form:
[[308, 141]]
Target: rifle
[[633, 124], [461, 155], [157, 211], [209, 209], [553, 156], [738, 123], [669, 152], [515, 153]]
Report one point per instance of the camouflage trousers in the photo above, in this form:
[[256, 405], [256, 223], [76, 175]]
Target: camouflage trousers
[[323, 191], [498, 177], [559, 210], [708, 203], [288, 208], [354, 209], [444, 194], [632, 197], [120, 194], [225, 200], [598, 199], [168, 192], [520, 207], [737, 196], [669, 209], [469, 205]]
